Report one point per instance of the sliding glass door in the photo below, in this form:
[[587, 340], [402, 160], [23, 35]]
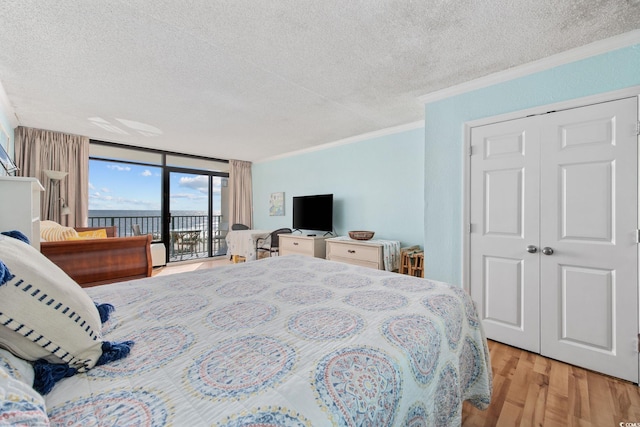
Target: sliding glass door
[[194, 214]]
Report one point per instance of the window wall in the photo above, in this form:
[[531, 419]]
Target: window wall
[[180, 200]]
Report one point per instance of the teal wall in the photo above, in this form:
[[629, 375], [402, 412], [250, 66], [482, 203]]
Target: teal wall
[[444, 140], [377, 184]]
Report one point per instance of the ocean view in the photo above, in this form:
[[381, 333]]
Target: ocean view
[[127, 212], [149, 220]]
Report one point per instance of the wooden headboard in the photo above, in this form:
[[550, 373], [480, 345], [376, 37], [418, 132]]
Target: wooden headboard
[[100, 261]]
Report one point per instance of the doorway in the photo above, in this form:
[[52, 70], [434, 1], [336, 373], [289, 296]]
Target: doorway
[[195, 209]]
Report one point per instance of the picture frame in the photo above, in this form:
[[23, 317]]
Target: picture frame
[[276, 204], [8, 164]]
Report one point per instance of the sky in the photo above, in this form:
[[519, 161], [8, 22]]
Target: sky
[[121, 186]]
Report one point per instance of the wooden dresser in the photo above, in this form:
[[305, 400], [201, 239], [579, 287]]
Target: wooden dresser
[[313, 246]]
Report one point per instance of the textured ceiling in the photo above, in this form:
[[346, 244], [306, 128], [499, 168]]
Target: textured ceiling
[[247, 79]]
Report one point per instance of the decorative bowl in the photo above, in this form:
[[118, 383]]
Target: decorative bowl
[[361, 235]]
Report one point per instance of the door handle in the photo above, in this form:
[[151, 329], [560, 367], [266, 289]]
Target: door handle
[[547, 250], [532, 249]]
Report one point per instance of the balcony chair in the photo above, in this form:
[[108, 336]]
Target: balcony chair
[[186, 243], [219, 242], [271, 243], [135, 229]]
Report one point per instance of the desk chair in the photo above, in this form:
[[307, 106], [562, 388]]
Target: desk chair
[[271, 242], [236, 227]]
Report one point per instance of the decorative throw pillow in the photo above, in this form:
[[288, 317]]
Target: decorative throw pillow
[[19, 403], [90, 234], [53, 232], [100, 233], [47, 317]]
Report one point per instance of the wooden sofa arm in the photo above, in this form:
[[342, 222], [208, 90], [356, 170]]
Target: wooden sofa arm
[[98, 261]]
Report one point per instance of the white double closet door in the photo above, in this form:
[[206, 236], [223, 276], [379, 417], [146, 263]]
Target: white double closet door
[[553, 242]]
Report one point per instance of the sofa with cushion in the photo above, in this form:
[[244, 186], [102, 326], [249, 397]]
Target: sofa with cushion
[[94, 256]]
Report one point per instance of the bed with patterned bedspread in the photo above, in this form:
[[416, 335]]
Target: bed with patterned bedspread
[[287, 341]]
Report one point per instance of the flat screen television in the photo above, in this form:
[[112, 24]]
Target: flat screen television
[[313, 212]]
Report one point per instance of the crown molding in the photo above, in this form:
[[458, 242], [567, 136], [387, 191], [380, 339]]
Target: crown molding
[[592, 49], [350, 140]]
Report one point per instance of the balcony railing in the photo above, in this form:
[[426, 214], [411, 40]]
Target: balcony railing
[[189, 234]]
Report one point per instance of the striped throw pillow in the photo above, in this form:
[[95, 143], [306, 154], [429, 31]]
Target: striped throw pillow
[[53, 232], [44, 314]]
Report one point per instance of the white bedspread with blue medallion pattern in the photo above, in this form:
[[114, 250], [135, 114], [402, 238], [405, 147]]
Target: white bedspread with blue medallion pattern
[[286, 341]]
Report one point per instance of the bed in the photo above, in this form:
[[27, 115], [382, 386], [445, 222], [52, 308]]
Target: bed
[[287, 341]]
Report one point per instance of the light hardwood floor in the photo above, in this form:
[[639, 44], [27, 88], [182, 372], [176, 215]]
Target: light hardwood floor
[[181, 267], [529, 389]]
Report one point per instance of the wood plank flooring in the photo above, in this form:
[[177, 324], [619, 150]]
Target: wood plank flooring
[[181, 267], [531, 390]]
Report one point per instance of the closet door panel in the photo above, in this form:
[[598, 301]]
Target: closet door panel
[[589, 205], [504, 276], [586, 207], [587, 307]]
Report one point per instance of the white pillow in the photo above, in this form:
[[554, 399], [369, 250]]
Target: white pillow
[[44, 314]]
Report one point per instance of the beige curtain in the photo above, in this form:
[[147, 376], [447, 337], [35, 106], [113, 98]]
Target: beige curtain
[[37, 150], [241, 194]]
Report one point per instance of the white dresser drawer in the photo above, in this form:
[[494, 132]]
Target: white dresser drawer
[[292, 244], [355, 261], [354, 252], [296, 245]]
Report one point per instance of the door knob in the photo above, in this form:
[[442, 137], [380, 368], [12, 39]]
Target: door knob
[[547, 250], [532, 249]]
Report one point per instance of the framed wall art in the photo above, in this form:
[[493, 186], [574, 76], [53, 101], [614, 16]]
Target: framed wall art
[[276, 204]]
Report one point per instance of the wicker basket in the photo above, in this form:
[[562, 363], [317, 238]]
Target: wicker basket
[[361, 235]]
